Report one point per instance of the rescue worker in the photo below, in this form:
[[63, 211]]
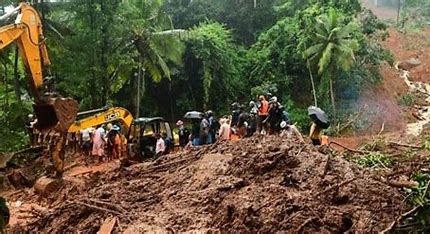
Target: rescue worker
[[253, 119], [314, 134], [243, 122], [275, 116], [253, 108], [213, 127], [4, 215], [29, 127], [116, 142], [224, 131], [195, 132], [109, 141], [99, 143], [183, 133], [168, 143], [86, 140], [160, 146], [263, 112], [289, 131], [204, 130], [235, 112]]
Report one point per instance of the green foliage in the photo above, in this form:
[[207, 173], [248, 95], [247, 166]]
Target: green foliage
[[265, 87], [211, 46], [246, 20], [406, 99], [374, 160], [419, 197], [426, 144], [415, 14]]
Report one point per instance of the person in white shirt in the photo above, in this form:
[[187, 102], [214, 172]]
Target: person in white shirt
[[160, 147], [86, 140], [99, 143], [224, 131]]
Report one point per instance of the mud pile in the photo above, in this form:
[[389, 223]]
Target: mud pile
[[257, 184]]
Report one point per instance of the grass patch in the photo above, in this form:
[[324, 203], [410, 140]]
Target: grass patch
[[374, 160], [406, 100]]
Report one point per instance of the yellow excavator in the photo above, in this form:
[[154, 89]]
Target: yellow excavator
[[53, 112], [102, 116]]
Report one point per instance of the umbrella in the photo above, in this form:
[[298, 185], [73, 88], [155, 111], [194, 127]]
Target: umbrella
[[193, 115], [318, 116]]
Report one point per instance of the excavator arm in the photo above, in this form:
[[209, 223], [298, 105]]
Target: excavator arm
[[27, 33], [53, 113]]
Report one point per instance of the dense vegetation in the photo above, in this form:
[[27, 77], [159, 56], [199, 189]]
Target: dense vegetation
[[167, 57]]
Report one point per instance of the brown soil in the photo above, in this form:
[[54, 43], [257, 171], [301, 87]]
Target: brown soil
[[384, 13], [411, 45], [257, 184]]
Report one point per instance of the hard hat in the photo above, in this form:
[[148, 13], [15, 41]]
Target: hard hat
[[30, 116], [251, 104], [179, 123], [209, 112], [283, 124]]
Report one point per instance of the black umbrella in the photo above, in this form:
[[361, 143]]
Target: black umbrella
[[193, 115], [318, 116]]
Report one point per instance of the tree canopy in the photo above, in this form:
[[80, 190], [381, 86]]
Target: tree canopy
[[168, 57]]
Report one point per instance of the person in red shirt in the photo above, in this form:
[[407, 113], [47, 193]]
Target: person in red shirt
[[263, 112]]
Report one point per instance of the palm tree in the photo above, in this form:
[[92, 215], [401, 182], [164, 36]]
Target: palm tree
[[155, 39], [333, 48]]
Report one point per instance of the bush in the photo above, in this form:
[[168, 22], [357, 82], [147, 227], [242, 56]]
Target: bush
[[406, 100]]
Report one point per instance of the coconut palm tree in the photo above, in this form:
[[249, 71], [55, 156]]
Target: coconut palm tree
[[333, 48], [155, 39]]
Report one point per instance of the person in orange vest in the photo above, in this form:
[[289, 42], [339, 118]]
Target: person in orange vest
[[263, 112]]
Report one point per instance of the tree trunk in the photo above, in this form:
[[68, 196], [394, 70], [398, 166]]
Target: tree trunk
[[93, 82], [313, 84], [139, 74], [104, 50], [332, 98], [172, 116], [5, 85], [398, 11]]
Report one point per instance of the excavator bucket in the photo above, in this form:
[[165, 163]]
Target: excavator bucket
[[55, 114]]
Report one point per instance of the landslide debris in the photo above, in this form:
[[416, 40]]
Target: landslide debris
[[259, 184]]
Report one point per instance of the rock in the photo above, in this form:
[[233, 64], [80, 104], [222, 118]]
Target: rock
[[409, 64]]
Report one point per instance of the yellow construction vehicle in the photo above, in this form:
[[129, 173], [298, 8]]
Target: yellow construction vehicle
[[113, 114], [53, 112]]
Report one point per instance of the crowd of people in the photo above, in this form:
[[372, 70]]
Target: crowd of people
[[263, 116], [103, 142], [266, 116]]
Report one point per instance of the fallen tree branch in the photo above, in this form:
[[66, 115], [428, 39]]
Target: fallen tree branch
[[382, 129], [405, 145], [299, 229], [115, 206], [98, 208], [402, 216], [350, 122], [335, 186], [349, 149], [397, 184]]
